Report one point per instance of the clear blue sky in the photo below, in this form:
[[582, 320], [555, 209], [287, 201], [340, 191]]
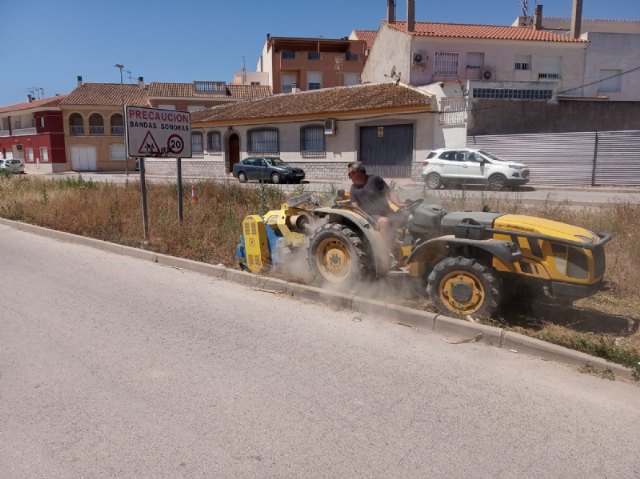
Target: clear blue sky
[[47, 43]]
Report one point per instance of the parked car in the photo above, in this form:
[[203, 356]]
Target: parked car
[[13, 165], [470, 166], [267, 168]]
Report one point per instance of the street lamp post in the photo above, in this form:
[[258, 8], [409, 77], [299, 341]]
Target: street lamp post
[[119, 66]]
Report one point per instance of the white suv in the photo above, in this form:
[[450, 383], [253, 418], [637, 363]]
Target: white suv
[[469, 166]]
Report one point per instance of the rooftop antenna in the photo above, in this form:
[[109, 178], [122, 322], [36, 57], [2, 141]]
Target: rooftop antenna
[[129, 75], [244, 71]]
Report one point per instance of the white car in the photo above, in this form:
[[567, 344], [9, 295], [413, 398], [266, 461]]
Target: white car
[[469, 166], [13, 165]]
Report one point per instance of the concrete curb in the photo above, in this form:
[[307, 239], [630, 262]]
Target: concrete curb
[[465, 331]]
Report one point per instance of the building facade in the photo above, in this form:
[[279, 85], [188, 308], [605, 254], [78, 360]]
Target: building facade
[[33, 132], [301, 64], [389, 127]]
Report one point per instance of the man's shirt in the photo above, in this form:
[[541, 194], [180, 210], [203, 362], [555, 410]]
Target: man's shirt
[[372, 196]]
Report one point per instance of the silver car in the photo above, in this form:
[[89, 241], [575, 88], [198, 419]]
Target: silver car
[[13, 165], [458, 166]]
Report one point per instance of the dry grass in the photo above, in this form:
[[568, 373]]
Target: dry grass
[[606, 325]]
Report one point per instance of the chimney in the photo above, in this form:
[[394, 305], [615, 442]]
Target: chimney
[[411, 15], [141, 82], [537, 18], [79, 78], [391, 11], [576, 19], [29, 97]]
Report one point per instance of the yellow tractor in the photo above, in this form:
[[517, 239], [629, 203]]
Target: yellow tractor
[[467, 261]]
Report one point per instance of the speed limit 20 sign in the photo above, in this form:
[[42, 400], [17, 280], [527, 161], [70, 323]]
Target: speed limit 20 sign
[[160, 133]]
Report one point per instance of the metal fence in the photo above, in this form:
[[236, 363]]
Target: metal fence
[[601, 158]]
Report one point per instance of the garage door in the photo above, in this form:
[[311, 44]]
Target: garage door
[[387, 150], [83, 158]]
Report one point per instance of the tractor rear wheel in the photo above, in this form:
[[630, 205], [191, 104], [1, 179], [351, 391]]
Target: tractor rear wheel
[[461, 286], [337, 255]]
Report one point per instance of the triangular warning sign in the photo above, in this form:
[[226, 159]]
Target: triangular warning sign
[[149, 145]]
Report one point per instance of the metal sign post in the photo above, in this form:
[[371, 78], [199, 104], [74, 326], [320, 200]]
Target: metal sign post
[[179, 179], [143, 197]]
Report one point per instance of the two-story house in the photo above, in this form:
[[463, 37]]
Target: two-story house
[[33, 132], [94, 128], [301, 64], [513, 79]]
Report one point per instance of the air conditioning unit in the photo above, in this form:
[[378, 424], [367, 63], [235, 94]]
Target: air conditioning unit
[[418, 57], [487, 74], [329, 126]]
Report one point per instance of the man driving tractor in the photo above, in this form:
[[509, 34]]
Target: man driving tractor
[[372, 195]]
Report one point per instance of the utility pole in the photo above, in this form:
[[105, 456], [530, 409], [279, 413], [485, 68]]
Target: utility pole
[[119, 66]]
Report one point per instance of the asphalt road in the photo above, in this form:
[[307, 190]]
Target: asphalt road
[[116, 367]]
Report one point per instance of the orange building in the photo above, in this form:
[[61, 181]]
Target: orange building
[[300, 64]]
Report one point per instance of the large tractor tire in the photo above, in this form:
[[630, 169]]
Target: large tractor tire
[[461, 287], [337, 255]]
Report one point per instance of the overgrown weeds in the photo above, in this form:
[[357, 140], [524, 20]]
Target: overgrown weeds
[[211, 228]]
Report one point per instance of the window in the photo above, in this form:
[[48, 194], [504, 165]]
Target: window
[[523, 62], [511, 94], [196, 143], [313, 55], [351, 79], [312, 139], [96, 124], [446, 64], [117, 125], [76, 124], [192, 108], [352, 57], [287, 79], [42, 122], [550, 68], [611, 80], [263, 140], [30, 157], [166, 107], [44, 154], [117, 152], [475, 61], [213, 141], [288, 55], [314, 80]]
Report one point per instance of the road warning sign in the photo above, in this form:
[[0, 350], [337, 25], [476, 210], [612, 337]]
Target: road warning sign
[[158, 133]]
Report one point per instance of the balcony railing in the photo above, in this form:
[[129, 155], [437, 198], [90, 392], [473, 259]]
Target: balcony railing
[[96, 130], [76, 130], [117, 130], [24, 131], [4, 133]]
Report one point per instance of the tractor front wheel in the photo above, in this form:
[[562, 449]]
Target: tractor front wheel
[[337, 255], [461, 286]]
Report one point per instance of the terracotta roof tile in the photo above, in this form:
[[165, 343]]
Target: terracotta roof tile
[[50, 102], [484, 32], [369, 36], [345, 100], [107, 94], [247, 92]]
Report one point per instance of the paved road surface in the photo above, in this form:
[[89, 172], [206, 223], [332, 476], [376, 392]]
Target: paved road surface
[[116, 367]]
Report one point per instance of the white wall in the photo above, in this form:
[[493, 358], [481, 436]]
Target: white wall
[[391, 49], [612, 51]]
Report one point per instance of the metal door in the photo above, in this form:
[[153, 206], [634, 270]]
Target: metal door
[[387, 150]]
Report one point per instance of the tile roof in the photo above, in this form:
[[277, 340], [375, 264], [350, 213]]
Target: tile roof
[[339, 100], [188, 90], [482, 32], [50, 102], [247, 92], [107, 94], [369, 36]]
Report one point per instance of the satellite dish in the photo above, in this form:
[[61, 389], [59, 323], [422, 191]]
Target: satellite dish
[[393, 71]]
